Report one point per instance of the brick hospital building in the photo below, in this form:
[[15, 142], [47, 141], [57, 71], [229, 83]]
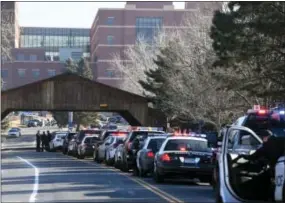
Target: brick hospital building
[[41, 52]]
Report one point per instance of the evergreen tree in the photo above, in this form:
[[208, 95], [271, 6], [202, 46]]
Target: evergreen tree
[[5, 123], [249, 41]]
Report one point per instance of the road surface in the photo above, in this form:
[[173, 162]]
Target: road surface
[[29, 176]]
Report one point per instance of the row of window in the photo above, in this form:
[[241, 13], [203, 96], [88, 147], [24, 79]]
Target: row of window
[[31, 57], [147, 28], [46, 31], [54, 41], [22, 73]]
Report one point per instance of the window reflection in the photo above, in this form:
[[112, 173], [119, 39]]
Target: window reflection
[[148, 27]]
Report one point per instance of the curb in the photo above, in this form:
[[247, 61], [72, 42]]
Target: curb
[[18, 148]]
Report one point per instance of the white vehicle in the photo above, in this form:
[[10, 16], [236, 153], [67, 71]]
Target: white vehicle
[[57, 141], [111, 150], [240, 180], [14, 132]]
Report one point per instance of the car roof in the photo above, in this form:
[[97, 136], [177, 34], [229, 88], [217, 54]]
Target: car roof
[[186, 138]]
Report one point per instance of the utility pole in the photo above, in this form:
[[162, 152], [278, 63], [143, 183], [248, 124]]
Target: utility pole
[[70, 120]]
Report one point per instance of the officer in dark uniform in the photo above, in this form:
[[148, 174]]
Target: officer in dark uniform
[[271, 150], [43, 138], [38, 141], [48, 139]]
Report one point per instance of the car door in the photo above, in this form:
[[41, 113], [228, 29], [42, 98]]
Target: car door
[[102, 147], [228, 158]]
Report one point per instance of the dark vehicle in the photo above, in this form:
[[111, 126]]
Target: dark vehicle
[[145, 156], [183, 156], [34, 123], [81, 135], [256, 120], [85, 148], [127, 153], [66, 141]]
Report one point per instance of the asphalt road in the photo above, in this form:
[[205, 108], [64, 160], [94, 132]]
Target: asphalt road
[[29, 176]]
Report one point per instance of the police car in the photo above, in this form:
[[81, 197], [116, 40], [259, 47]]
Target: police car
[[235, 175], [126, 153], [145, 156], [184, 155]]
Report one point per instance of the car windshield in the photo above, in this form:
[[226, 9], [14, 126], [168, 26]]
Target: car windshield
[[155, 143], [91, 140], [60, 135], [142, 135], [274, 123], [14, 130], [187, 144]]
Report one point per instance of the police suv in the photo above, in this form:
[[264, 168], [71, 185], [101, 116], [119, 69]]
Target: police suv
[[184, 155]]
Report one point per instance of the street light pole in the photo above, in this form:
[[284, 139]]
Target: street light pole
[[70, 120]]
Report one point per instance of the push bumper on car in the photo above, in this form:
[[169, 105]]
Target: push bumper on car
[[186, 171]]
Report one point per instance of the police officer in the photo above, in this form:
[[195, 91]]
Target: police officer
[[38, 141], [43, 140], [48, 139], [271, 150]]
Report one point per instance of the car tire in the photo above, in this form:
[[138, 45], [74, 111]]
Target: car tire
[[142, 173], [64, 151], [206, 179], [97, 158], [124, 167], [78, 154], [94, 156], [135, 171], [156, 176]]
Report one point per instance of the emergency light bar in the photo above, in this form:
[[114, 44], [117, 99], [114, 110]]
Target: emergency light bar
[[261, 111], [190, 134], [146, 128]]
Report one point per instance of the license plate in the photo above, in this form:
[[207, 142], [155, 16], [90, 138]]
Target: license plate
[[191, 161]]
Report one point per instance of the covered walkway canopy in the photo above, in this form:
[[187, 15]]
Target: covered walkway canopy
[[70, 92]]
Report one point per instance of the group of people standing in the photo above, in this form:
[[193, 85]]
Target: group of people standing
[[42, 141]]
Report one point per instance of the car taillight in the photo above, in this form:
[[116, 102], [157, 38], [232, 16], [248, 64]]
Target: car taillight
[[150, 154], [165, 158]]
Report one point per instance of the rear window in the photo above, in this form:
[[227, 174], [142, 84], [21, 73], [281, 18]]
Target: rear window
[[92, 132], [60, 135], [14, 130], [144, 134], [71, 135], [188, 144], [91, 140], [155, 144], [274, 122]]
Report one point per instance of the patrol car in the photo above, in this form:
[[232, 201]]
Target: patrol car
[[184, 155], [235, 176], [126, 153], [145, 156]]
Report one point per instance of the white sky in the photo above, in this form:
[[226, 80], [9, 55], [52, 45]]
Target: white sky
[[64, 14]]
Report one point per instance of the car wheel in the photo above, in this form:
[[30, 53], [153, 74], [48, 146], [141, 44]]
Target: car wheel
[[156, 176], [68, 153], [64, 150], [124, 167], [94, 156], [79, 156], [97, 158]]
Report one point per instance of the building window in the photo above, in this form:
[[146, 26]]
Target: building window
[[147, 28], [4, 73], [22, 73], [33, 57], [20, 57], [110, 73], [110, 39], [51, 72], [110, 20], [36, 73]]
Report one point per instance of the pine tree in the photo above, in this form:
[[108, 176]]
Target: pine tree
[[5, 123], [249, 42]]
